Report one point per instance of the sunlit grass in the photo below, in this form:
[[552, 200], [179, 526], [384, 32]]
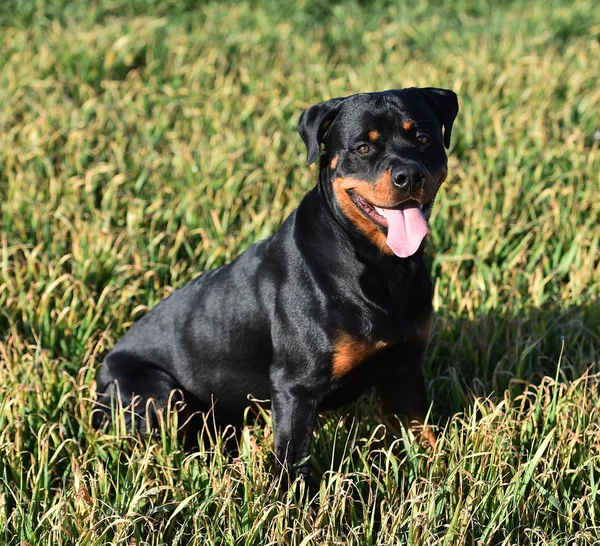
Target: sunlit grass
[[143, 143]]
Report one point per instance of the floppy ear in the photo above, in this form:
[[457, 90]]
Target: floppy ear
[[445, 104], [314, 123]]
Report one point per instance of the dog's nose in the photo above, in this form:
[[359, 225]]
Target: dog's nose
[[408, 177]]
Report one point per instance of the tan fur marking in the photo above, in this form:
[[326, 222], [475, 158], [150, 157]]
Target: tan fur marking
[[379, 193], [429, 439], [427, 191], [374, 135], [423, 433], [407, 125], [334, 162], [326, 123], [350, 351]]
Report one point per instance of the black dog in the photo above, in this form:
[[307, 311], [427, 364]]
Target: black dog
[[334, 303]]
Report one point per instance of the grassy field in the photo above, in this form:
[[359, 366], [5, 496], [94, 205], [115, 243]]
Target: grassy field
[[144, 142]]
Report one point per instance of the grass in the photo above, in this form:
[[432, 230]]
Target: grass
[[144, 142]]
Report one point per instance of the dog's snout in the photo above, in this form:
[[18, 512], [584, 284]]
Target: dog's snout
[[408, 177]]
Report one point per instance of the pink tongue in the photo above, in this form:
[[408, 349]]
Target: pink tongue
[[407, 227]]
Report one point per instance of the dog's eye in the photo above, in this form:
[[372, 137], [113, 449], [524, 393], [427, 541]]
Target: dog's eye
[[363, 149], [422, 139]]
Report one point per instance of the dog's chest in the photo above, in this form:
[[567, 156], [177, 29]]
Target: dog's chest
[[350, 352]]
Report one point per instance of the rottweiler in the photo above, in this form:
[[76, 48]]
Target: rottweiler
[[336, 302]]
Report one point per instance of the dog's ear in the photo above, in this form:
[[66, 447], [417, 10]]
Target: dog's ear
[[445, 105], [314, 123]]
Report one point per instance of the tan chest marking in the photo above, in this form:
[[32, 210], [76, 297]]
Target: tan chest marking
[[350, 352]]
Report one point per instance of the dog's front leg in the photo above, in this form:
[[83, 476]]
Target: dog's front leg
[[402, 387], [404, 394], [294, 408]]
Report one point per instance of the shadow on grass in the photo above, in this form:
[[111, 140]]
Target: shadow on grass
[[492, 353], [489, 357]]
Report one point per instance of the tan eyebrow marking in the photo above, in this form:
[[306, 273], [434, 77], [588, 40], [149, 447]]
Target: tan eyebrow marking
[[407, 125], [374, 135]]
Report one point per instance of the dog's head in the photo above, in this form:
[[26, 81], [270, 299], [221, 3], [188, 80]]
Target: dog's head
[[384, 160]]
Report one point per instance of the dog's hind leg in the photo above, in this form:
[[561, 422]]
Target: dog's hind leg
[[139, 388]]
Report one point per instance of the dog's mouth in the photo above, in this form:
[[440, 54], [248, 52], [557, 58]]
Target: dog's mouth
[[405, 224], [377, 215]]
